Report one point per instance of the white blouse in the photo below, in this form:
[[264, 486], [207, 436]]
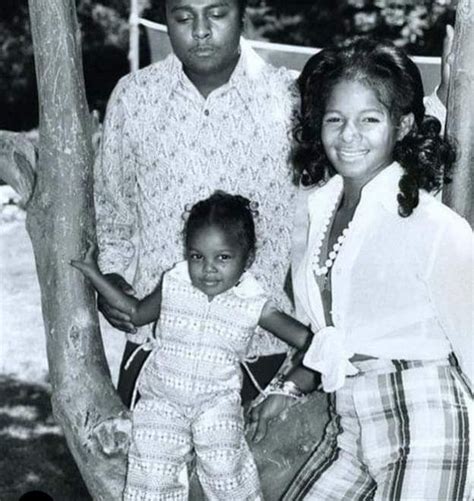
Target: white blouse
[[402, 288]]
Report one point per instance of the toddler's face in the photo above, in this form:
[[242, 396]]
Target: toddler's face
[[216, 261]]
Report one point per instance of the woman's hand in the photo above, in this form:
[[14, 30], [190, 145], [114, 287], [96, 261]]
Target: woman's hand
[[260, 415], [115, 317]]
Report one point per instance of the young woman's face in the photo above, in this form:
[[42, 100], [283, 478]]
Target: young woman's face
[[216, 261], [358, 133]]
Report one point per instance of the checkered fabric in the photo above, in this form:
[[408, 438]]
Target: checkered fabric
[[399, 430], [164, 436], [190, 395]]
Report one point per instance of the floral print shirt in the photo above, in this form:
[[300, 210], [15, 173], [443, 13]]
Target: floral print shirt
[[165, 147]]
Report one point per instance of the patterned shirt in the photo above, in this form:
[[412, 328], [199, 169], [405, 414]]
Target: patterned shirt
[[165, 147], [199, 343]]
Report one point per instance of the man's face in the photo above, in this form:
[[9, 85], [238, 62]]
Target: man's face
[[205, 35]]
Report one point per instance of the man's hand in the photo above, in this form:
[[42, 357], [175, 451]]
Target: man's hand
[[446, 61], [260, 415], [117, 318]]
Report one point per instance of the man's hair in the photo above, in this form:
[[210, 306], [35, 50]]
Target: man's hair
[[161, 4]]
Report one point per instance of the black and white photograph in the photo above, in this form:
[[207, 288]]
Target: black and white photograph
[[236, 250]]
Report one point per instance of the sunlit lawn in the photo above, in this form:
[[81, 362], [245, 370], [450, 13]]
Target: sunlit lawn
[[33, 452]]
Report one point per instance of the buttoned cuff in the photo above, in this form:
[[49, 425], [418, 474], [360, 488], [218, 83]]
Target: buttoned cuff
[[327, 355]]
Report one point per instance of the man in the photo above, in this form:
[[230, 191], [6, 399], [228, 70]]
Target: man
[[211, 116]]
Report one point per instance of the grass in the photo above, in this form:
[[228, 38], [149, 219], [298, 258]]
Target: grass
[[37, 457], [34, 454]]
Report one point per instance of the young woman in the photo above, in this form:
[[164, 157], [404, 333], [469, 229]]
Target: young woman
[[386, 284]]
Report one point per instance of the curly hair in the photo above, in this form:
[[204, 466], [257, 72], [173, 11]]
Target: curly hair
[[233, 214], [396, 81]]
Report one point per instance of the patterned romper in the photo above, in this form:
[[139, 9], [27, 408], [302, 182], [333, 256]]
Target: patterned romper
[[190, 394]]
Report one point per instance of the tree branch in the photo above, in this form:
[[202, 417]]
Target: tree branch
[[18, 163], [459, 194]]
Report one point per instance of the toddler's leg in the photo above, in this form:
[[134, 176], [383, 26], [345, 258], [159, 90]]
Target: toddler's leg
[[225, 465], [161, 440]]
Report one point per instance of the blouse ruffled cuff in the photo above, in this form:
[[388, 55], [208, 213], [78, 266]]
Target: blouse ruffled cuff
[[327, 355]]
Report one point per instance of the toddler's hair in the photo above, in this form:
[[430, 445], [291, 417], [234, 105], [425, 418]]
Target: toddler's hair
[[394, 77], [230, 213]]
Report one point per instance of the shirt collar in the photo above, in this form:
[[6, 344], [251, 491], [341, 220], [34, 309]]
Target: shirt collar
[[383, 188], [248, 69]]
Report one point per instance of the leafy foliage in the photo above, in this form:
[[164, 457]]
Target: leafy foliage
[[104, 29], [417, 25]]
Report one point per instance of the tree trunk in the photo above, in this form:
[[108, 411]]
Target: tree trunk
[[60, 221], [459, 194]]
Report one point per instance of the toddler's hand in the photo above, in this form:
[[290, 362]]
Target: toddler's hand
[[89, 263]]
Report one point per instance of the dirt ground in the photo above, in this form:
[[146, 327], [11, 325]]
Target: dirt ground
[[34, 454]]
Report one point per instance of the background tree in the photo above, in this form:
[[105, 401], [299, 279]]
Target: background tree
[[60, 220], [460, 193], [104, 28]]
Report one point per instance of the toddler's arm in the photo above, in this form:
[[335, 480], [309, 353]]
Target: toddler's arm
[[284, 326], [141, 312]]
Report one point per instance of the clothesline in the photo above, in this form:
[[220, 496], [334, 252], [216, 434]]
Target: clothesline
[[290, 56]]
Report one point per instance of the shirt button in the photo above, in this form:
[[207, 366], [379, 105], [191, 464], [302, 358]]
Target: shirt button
[[206, 112]]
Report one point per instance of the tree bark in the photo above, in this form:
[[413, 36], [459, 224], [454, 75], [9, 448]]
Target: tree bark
[[459, 194], [60, 221]]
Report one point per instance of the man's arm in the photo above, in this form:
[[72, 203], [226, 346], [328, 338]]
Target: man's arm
[[115, 203]]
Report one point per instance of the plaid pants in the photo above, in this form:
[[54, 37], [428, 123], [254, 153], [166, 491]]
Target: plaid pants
[[399, 430]]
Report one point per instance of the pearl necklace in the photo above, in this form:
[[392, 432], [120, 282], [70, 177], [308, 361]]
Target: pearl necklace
[[323, 270]]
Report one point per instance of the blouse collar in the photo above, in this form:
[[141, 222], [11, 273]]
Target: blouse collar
[[382, 189]]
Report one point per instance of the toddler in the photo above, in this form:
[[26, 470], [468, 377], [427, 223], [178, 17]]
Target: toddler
[[207, 308]]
